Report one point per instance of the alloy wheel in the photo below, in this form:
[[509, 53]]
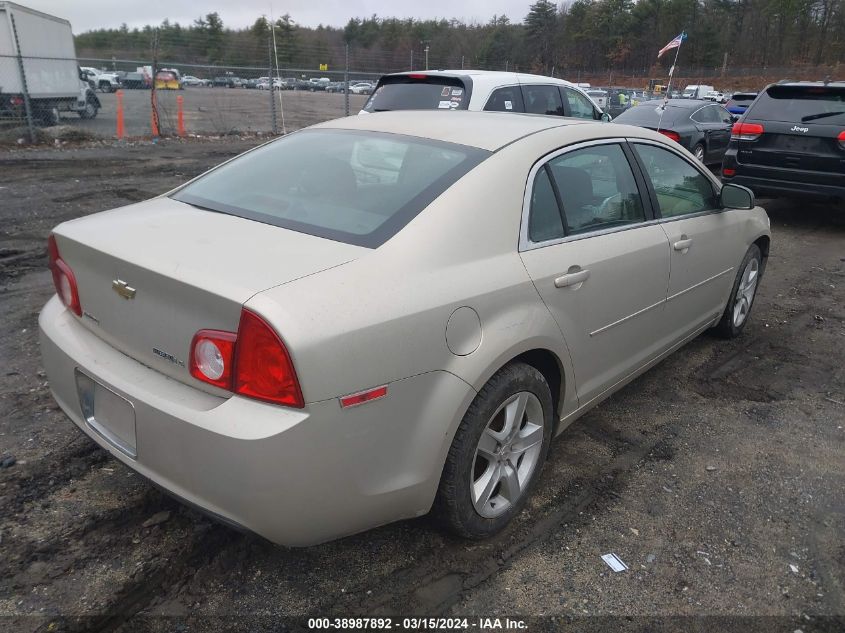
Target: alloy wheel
[[745, 292], [507, 454]]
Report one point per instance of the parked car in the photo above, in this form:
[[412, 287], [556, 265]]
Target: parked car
[[739, 102], [337, 86], [482, 90], [599, 97], [791, 141], [715, 95], [190, 80], [228, 82], [362, 88], [702, 127], [358, 413]]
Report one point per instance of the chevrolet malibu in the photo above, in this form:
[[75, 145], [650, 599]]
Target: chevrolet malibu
[[379, 317]]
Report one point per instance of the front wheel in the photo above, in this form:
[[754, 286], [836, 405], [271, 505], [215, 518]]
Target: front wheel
[[742, 296], [497, 454]]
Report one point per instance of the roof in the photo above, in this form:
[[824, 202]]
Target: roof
[[498, 76], [685, 104], [485, 130]]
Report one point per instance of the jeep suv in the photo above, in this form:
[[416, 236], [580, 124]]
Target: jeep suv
[[791, 141]]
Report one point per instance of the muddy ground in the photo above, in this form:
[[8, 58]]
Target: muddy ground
[[718, 477]]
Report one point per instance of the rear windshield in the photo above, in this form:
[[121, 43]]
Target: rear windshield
[[419, 92], [801, 104], [744, 98], [355, 187]]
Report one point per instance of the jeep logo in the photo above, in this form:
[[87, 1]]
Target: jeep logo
[[795, 128]]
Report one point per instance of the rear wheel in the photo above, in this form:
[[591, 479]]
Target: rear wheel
[[48, 115], [496, 456], [90, 110], [742, 296], [698, 152]]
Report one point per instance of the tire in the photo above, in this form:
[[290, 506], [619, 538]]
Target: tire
[[478, 461], [742, 296], [698, 152], [90, 111], [48, 116]]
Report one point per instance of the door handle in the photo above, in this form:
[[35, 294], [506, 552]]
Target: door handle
[[683, 244], [572, 278]]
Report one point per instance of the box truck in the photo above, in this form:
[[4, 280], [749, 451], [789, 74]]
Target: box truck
[[38, 58]]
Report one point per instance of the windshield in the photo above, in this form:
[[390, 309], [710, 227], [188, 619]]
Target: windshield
[[419, 92], [801, 104], [355, 187]]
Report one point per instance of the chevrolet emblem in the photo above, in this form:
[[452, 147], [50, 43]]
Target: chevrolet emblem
[[123, 289]]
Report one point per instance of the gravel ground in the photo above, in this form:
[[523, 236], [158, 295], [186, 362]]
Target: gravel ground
[[718, 477]]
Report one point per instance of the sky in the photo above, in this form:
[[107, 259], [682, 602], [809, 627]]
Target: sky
[[85, 15]]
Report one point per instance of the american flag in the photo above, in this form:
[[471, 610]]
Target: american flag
[[673, 44]]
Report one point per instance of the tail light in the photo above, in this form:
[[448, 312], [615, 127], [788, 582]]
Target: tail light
[[417, 76], [728, 172], [253, 362], [841, 139], [16, 101], [671, 134], [746, 131], [63, 278]]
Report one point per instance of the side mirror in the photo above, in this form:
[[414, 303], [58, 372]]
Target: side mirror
[[736, 197], [606, 118], [734, 118]]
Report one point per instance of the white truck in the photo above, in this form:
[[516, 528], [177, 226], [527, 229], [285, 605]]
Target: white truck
[[697, 91], [38, 61], [101, 79]]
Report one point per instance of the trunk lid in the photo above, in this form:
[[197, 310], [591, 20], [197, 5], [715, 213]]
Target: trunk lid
[[190, 269]]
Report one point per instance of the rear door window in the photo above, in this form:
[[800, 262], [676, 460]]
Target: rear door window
[[597, 189], [579, 106], [801, 104], [707, 114], [542, 100], [507, 99], [419, 91]]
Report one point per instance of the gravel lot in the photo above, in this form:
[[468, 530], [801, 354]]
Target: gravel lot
[[718, 477], [216, 110]]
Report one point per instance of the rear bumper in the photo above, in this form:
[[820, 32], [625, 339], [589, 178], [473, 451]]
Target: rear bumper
[[775, 187], [296, 477]]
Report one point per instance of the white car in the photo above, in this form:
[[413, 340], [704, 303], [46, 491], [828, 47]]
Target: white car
[[716, 96], [190, 80], [482, 90], [101, 80], [362, 88]]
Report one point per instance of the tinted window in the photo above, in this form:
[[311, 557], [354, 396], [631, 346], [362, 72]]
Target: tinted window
[[433, 92], [679, 186], [801, 104], [724, 115], [507, 99], [648, 114], [707, 114], [597, 189], [579, 105], [544, 221], [542, 100], [354, 187]]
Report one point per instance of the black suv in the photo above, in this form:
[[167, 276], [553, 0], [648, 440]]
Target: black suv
[[791, 141]]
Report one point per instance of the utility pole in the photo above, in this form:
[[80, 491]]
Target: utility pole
[[462, 62], [724, 63], [426, 56], [272, 91], [412, 58], [346, 83]]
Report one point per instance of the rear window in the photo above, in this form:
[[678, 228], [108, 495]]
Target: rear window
[[744, 98], [355, 187], [419, 92], [649, 114], [801, 104]]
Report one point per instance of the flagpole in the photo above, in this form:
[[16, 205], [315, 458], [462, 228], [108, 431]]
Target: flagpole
[[669, 83]]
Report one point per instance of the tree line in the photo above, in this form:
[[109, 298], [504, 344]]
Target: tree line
[[582, 35]]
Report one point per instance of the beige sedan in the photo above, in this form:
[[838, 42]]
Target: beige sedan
[[382, 316]]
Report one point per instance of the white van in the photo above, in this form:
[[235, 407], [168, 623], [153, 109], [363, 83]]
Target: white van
[[697, 91]]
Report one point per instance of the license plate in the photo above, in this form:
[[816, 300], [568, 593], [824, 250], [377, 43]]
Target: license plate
[[107, 413], [801, 144]]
